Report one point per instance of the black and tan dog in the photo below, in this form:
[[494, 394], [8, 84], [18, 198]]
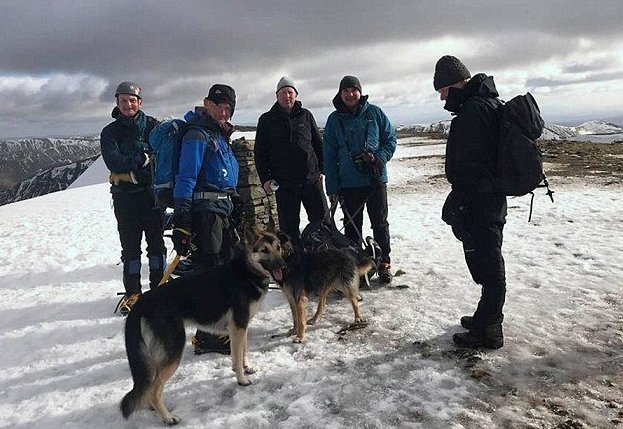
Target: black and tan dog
[[220, 300], [320, 273]]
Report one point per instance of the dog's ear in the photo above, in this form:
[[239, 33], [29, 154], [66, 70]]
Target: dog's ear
[[251, 234], [271, 227], [283, 237], [287, 245]]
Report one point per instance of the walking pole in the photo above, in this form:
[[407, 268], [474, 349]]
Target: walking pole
[[170, 270]]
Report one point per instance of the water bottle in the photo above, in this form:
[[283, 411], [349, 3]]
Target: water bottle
[[274, 185]]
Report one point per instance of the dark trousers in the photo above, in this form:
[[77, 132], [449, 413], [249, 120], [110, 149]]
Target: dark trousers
[[213, 239], [483, 254], [136, 216], [375, 199], [289, 201]]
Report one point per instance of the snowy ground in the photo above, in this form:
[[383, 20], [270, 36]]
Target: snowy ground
[[63, 361]]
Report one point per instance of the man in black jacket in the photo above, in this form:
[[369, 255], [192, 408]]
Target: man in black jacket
[[288, 151], [474, 209], [124, 145]]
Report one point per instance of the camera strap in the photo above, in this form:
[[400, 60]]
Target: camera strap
[[348, 146]]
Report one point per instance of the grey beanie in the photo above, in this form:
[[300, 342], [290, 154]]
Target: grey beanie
[[448, 71], [286, 81], [350, 82]]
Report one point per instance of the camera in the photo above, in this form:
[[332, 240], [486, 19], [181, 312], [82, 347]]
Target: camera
[[363, 161]]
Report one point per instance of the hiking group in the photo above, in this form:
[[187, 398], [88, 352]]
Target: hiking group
[[295, 163]]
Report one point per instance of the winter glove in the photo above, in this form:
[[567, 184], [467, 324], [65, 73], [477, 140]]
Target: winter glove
[[116, 178], [182, 220], [181, 241]]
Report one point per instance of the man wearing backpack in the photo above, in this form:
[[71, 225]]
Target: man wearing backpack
[[204, 186], [358, 141], [474, 209], [124, 146], [288, 149]]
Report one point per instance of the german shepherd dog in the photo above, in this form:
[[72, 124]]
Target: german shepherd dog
[[320, 273], [221, 300]]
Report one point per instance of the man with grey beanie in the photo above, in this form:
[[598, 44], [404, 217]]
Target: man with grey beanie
[[474, 209], [288, 151]]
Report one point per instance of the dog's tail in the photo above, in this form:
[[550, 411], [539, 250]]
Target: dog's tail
[[142, 374]]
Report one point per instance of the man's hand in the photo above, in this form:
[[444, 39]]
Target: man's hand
[[333, 197], [181, 241]]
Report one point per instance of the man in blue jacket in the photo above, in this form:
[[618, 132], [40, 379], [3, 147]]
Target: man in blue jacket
[[359, 140], [204, 186]]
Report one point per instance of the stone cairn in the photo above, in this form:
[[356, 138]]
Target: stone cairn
[[258, 208]]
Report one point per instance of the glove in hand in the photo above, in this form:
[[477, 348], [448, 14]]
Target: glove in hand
[[181, 241]]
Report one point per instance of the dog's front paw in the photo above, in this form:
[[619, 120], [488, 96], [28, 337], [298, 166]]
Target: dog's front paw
[[244, 381], [172, 420], [250, 369], [311, 322], [297, 340]]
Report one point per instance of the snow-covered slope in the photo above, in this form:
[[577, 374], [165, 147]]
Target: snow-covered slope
[[63, 361]]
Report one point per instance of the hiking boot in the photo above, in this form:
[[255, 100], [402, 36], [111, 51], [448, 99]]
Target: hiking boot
[[205, 342], [489, 337], [126, 303], [467, 322], [384, 273]]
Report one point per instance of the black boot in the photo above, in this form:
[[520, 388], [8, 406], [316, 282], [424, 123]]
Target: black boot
[[488, 337], [205, 342], [385, 273], [467, 322]]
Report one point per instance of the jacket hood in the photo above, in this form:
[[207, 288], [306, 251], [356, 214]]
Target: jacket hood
[[341, 107], [480, 85]]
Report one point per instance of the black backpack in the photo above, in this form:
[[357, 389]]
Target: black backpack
[[519, 165]]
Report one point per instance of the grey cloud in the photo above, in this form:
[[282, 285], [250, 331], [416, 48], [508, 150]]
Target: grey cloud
[[176, 50], [598, 77]]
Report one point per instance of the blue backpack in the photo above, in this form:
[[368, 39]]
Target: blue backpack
[[166, 140]]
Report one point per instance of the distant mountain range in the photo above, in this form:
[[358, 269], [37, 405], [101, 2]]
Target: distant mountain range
[[551, 131], [37, 166]]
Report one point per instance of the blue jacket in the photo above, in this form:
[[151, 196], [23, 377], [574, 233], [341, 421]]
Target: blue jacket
[[346, 135], [207, 163]]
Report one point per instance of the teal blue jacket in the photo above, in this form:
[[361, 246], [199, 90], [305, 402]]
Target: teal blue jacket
[[346, 135]]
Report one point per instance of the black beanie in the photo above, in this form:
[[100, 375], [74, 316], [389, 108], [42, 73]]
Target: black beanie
[[220, 93], [350, 82], [448, 71]]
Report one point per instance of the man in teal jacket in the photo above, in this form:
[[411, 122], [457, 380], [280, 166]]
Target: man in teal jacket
[[358, 142]]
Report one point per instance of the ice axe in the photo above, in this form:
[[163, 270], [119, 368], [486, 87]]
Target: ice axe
[[170, 269]]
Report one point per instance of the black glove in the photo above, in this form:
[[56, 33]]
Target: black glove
[[181, 241]]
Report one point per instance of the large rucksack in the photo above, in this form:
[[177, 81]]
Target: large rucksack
[[323, 234], [519, 165], [165, 141]]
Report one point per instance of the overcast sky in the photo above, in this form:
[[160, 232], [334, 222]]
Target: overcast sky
[[61, 60]]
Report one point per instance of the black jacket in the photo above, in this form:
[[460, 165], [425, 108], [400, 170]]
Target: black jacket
[[471, 148], [288, 148], [123, 147]]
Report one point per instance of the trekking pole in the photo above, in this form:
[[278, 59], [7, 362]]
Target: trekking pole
[[170, 270], [352, 221]]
